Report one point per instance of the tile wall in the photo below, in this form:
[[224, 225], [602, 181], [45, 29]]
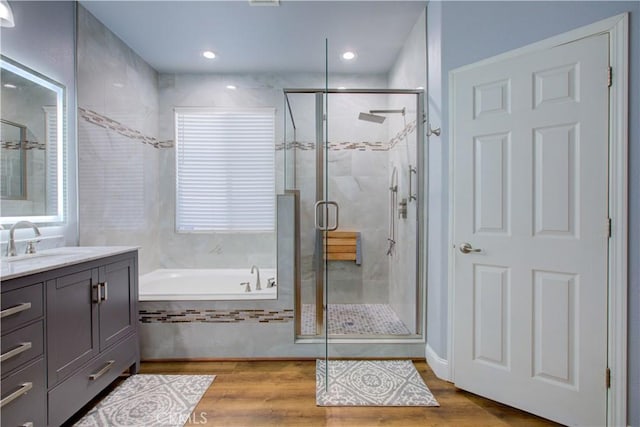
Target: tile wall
[[119, 171]]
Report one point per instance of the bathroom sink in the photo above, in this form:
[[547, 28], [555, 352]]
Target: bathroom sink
[[25, 257], [61, 252]]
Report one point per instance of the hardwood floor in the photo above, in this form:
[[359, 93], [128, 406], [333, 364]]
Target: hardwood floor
[[282, 393]]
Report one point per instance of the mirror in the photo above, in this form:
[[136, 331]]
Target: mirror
[[32, 145], [13, 160]]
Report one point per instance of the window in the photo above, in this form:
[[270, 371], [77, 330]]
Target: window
[[225, 170]]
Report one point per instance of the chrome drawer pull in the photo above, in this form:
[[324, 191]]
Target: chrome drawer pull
[[15, 309], [27, 424], [105, 286], [24, 346], [102, 371], [24, 388], [98, 289]]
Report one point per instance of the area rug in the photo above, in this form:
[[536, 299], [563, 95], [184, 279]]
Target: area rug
[[371, 383], [149, 400]]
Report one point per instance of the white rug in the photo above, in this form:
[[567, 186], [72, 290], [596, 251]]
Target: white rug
[[149, 400], [371, 383]]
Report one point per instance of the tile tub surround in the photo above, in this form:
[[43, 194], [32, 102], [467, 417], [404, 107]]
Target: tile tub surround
[[216, 316]]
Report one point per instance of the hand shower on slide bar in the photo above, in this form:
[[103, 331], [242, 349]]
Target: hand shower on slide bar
[[393, 202]]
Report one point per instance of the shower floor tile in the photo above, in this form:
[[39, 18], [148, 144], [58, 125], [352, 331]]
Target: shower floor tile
[[356, 319]]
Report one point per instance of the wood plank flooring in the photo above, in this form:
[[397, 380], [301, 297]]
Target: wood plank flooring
[[282, 393]]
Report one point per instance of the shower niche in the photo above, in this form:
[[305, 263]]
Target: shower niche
[[355, 158]]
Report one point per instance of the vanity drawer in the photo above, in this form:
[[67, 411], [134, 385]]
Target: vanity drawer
[[21, 346], [21, 306], [72, 394], [23, 397]]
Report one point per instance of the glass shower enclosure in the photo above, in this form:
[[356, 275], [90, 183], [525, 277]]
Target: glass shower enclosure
[[356, 159]]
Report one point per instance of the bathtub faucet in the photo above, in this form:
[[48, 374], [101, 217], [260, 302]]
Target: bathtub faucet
[[257, 270]]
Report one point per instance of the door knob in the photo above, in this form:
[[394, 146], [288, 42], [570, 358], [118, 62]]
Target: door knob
[[466, 248]]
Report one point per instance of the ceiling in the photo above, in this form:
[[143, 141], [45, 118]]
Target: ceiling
[[171, 35]]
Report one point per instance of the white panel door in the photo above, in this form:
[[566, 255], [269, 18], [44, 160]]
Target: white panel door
[[530, 147]]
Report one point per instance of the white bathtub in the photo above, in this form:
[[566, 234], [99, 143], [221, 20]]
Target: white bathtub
[[204, 284]]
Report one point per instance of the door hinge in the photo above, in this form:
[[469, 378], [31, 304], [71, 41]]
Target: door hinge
[[608, 378], [610, 226], [609, 76]]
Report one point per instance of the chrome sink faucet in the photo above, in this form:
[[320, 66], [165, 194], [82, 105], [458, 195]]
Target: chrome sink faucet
[[11, 246], [257, 270]]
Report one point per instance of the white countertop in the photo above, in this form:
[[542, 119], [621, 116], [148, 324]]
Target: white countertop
[[48, 259]]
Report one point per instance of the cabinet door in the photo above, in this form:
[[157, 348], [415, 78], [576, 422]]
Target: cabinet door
[[117, 305], [72, 329]]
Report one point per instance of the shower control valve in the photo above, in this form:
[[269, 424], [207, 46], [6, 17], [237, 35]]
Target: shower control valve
[[402, 211]]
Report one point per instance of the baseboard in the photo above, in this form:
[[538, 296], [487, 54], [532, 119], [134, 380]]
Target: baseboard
[[438, 365]]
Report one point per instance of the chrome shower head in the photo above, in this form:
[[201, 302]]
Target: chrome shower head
[[371, 118], [375, 117]]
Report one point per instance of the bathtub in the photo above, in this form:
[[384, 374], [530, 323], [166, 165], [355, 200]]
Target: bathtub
[[204, 284]]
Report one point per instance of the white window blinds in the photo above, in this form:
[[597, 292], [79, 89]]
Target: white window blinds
[[225, 169]]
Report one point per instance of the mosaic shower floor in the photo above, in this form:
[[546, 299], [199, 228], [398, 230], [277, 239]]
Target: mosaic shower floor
[[356, 319]]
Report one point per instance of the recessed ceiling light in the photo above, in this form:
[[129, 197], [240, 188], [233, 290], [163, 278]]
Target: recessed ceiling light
[[208, 54], [10, 86], [420, 88], [341, 88], [118, 85], [264, 2], [231, 87], [348, 55]]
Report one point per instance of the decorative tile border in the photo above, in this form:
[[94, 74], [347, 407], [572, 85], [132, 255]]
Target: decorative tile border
[[23, 145], [360, 146], [216, 316], [133, 134], [107, 123]]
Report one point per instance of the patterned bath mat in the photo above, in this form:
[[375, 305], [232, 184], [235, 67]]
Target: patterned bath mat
[[149, 400], [371, 383]]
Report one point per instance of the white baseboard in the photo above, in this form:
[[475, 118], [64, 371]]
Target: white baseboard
[[438, 365]]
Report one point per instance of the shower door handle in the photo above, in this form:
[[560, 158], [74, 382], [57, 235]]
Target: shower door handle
[[325, 222], [412, 170]]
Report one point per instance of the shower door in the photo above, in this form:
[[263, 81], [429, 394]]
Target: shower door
[[372, 184]]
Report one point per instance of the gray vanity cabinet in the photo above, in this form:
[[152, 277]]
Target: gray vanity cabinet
[[72, 323], [116, 311], [82, 328], [22, 362], [88, 311]]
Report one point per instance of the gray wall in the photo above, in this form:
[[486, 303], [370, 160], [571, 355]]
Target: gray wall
[[466, 32], [119, 164], [43, 39]]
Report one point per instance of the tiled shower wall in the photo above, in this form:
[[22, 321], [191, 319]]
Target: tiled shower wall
[[409, 71], [117, 125]]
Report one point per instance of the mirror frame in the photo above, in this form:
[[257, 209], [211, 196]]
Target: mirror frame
[[61, 113]]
